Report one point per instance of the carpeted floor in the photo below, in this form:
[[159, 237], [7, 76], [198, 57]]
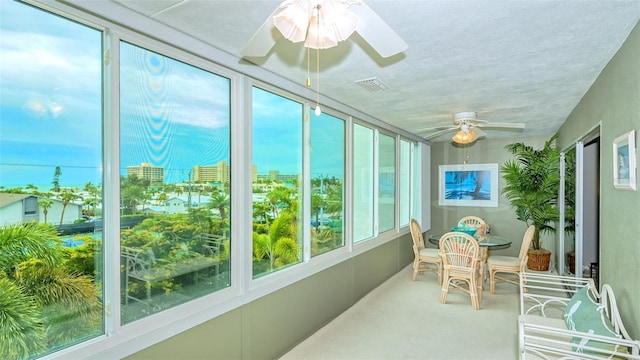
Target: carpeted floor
[[403, 319]]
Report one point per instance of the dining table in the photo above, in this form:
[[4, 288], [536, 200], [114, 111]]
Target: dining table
[[486, 241]]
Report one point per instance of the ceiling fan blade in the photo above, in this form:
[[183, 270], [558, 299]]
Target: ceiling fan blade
[[479, 132], [502, 125], [263, 40], [438, 133], [448, 127], [376, 32]]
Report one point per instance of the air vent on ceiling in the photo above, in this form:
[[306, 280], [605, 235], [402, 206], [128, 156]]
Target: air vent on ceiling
[[372, 84]]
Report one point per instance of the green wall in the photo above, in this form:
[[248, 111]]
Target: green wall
[[502, 218], [614, 101], [273, 324]]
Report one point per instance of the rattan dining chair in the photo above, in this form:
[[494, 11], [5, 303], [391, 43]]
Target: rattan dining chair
[[510, 264], [460, 255], [474, 222], [425, 259]]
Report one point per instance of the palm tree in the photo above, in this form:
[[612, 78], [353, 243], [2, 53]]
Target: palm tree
[[90, 188], [32, 189], [532, 184], [56, 179], [280, 197], [333, 202], [42, 305], [67, 197], [130, 196], [262, 212], [45, 204], [220, 201], [317, 205], [161, 198], [279, 247]]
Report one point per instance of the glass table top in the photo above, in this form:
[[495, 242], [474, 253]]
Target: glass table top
[[491, 241]]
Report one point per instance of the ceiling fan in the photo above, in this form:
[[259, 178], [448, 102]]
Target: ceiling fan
[[377, 33], [467, 124]]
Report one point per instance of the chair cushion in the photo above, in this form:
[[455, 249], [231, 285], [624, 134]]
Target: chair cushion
[[579, 308], [430, 252], [595, 324], [503, 261]]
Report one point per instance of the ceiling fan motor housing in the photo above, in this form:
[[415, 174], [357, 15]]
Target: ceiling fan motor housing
[[464, 117]]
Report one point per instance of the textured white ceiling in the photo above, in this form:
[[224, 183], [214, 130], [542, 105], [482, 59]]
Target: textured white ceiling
[[510, 61]]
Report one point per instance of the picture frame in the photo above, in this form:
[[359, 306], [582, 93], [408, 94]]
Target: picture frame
[[469, 185], [624, 161]]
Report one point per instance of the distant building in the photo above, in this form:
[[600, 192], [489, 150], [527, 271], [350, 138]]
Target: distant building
[[219, 173], [23, 208], [155, 174], [274, 175]]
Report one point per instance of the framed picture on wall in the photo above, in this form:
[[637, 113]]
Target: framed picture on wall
[[624, 161], [469, 185]]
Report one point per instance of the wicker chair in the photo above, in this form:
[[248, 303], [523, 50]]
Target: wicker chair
[[474, 222], [423, 257], [510, 264], [460, 258]]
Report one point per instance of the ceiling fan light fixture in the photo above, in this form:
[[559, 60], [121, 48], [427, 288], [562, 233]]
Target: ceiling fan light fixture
[[322, 24], [464, 137], [335, 22], [292, 19]]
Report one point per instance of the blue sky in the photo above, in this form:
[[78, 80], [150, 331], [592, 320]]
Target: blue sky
[[51, 109]]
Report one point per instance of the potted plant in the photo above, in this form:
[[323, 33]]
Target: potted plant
[[532, 183]]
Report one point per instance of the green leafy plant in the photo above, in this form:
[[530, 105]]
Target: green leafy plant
[[43, 304], [532, 183]]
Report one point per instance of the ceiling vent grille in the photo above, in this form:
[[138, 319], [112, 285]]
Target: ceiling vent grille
[[372, 84]]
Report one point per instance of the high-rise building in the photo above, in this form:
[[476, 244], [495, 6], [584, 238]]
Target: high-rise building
[[221, 173], [155, 174]]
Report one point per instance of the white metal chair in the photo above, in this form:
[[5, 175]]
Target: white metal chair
[[423, 257], [510, 264], [460, 256]]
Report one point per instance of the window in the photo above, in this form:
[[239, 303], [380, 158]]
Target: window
[[405, 182], [175, 182], [327, 180], [387, 183], [277, 184], [50, 171], [363, 195]]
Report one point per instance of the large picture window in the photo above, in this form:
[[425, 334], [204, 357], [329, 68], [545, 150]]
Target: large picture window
[[50, 182], [175, 182], [277, 183]]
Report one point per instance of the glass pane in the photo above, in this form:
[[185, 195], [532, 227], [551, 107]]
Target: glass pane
[[417, 184], [362, 182], [175, 182], [405, 182], [50, 182], [327, 179], [570, 210], [277, 164], [387, 183]]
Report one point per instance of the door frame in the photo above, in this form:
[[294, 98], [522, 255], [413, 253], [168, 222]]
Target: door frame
[[579, 145]]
